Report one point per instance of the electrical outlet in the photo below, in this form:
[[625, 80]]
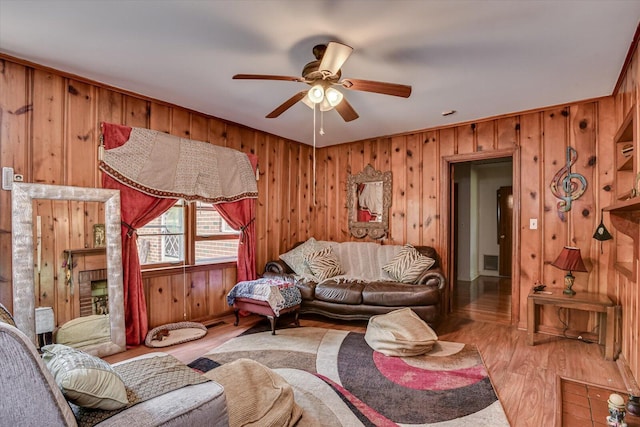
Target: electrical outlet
[[7, 178], [533, 223]]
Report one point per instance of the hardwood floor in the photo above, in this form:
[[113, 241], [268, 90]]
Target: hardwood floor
[[524, 377], [486, 298]]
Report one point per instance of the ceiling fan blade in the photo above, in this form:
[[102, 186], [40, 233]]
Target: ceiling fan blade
[[377, 87], [346, 111], [267, 77], [334, 57], [286, 105]]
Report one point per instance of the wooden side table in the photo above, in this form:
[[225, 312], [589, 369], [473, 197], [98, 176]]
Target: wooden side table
[[608, 315]]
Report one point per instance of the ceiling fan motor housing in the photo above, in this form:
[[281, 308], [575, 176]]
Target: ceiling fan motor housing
[[311, 73]]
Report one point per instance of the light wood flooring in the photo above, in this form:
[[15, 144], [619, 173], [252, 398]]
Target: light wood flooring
[[486, 298], [524, 377]]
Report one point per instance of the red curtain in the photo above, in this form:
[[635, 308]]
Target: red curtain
[[241, 215], [137, 209]]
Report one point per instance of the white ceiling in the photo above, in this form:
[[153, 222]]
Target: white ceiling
[[481, 58]]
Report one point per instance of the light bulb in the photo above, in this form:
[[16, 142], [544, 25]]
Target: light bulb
[[316, 94], [333, 96]]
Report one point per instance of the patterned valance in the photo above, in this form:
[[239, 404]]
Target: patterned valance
[[168, 166]]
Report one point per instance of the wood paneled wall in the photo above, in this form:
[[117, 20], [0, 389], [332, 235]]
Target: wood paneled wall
[[537, 141], [49, 133]]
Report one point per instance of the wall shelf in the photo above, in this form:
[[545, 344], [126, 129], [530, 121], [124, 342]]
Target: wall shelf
[[625, 213]]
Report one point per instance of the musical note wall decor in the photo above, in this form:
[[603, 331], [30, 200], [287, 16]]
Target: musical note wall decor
[[566, 185]]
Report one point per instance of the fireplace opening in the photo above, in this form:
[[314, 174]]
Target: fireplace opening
[[94, 292]]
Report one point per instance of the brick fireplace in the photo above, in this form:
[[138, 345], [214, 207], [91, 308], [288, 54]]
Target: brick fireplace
[[94, 298]]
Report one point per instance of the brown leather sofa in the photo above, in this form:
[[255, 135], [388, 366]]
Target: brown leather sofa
[[359, 300]]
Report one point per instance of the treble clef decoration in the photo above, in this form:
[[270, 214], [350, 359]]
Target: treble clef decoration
[[566, 185]]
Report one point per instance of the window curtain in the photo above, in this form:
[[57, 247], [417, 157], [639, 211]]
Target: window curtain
[[241, 215], [137, 209]]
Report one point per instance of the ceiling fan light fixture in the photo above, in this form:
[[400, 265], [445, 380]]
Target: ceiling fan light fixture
[[325, 105], [333, 96], [316, 94]]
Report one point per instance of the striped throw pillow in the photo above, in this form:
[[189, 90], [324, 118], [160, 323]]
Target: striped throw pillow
[[408, 265], [324, 263]]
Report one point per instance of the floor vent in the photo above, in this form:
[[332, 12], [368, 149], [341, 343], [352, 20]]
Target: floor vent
[[491, 262]]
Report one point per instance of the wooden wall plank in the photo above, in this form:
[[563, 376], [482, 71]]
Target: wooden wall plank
[[81, 133], [555, 229], [397, 216], [199, 130], [110, 106], [466, 138], [429, 199], [47, 150], [532, 188], [160, 117], [136, 112], [486, 136], [180, 123], [15, 114], [507, 130], [414, 191], [582, 137]]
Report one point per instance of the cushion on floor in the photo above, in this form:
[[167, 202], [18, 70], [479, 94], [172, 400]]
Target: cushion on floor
[[256, 395], [400, 333]]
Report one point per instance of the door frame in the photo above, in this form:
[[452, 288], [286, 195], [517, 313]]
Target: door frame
[[446, 223]]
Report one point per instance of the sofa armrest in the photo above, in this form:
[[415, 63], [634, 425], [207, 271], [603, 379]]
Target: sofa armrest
[[432, 277], [278, 267]]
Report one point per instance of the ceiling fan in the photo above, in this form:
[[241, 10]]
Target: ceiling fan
[[321, 75]]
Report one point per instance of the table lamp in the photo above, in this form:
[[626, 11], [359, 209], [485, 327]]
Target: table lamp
[[569, 260]]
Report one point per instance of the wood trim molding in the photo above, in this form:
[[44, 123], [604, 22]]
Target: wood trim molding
[[445, 215], [627, 60]]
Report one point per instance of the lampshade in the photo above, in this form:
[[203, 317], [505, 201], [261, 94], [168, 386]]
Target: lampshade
[[569, 260], [316, 94]]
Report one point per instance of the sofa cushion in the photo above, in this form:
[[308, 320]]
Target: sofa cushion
[[408, 265], [394, 294], [340, 292], [324, 263], [85, 380], [295, 257]]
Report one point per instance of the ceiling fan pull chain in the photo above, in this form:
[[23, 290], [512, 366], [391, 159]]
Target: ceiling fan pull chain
[[314, 154], [321, 122]]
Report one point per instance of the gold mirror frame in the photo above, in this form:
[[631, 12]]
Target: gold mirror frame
[[22, 196], [377, 229]]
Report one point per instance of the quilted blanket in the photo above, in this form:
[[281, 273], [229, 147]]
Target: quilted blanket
[[278, 293]]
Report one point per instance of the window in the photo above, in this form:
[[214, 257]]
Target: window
[[214, 239], [169, 239]]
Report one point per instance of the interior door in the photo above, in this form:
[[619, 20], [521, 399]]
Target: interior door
[[505, 222]]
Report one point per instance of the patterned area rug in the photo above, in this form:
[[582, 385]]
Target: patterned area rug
[[340, 381]]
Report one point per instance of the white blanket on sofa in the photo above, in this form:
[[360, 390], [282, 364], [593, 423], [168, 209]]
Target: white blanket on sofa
[[363, 261]]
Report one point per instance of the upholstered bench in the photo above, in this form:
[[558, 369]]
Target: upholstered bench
[[267, 297]]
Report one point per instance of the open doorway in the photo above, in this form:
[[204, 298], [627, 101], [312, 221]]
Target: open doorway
[[482, 227]]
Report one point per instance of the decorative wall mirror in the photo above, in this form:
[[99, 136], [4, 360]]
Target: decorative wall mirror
[[23, 197], [369, 199]]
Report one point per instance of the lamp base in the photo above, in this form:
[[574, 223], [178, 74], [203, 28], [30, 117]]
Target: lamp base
[[568, 284]]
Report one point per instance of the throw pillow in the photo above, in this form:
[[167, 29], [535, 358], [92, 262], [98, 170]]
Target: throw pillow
[[5, 316], [85, 380], [324, 264], [408, 265], [295, 257]]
